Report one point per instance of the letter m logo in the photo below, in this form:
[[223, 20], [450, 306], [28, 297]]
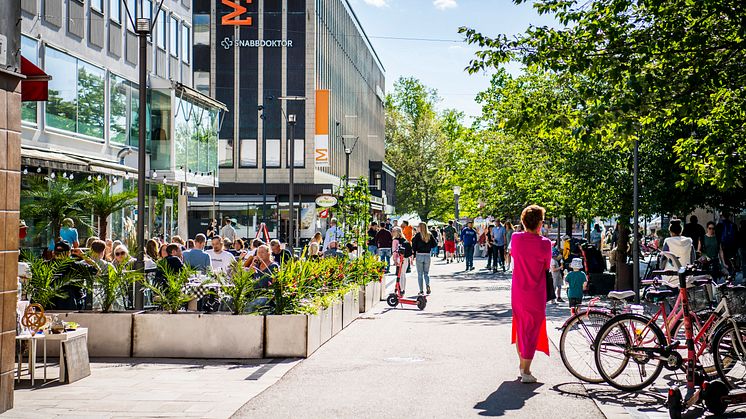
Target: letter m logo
[[232, 18]]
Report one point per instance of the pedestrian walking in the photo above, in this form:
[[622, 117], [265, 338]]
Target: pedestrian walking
[[488, 245], [333, 234], [402, 253], [407, 230], [596, 236], [372, 231], [576, 283], [727, 234], [228, 232], [694, 230], [532, 254], [449, 243], [469, 238], [509, 230], [556, 269], [436, 249], [422, 244], [499, 240], [383, 244]]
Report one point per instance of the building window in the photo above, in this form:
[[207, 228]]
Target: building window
[[161, 30], [115, 11], [273, 153], [30, 50], [225, 152], [97, 5], [174, 41], [132, 6], [299, 152], [76, 94], [201, 29], [248, 153], [186, 44], [123, 111]]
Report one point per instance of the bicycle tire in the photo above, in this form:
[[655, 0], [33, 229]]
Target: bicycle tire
[[730, 360], [587, 323], [614, 376]]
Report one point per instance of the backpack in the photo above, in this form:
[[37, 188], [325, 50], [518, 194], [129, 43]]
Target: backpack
[[728, 236], [405, 249]]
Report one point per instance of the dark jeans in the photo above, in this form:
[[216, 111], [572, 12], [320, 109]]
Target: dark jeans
[[469, 253], [498, 256], [489, 256]]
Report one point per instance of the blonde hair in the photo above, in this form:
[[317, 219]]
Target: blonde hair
[[396, 233], [424, 232], [313, 249]]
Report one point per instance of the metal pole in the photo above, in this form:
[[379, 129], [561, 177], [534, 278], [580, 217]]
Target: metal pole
[[291, 217], [264, 166], [455, 198], [347, 167], [636, 226], [143, 28]]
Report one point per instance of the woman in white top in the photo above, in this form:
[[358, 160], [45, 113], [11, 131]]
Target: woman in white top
[[682, 248]]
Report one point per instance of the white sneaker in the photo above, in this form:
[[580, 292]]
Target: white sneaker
[[527, 378]]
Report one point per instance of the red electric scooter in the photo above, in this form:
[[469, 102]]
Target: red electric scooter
[[396, 297]]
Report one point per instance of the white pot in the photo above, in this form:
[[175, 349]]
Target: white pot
[[366, 297], [337, 309], [325, 332], [292, 335], [195, 335], [109, 334], [350, 308]]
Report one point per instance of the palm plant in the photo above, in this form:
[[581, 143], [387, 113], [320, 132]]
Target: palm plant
[[47, 280], [170, 293], [102, 203], [49, 201], [114, 285], [242, 288]]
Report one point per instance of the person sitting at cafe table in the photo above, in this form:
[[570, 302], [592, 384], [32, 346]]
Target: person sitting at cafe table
[[333, 250], [96, 256], [279, 254], [172, 261], [220, 259], [196, 257], [263, 267], [72, 295]]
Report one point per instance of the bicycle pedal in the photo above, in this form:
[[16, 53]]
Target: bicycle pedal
[[672, 347]]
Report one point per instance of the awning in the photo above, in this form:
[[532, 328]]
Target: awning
[[52, 160], [35, 86]]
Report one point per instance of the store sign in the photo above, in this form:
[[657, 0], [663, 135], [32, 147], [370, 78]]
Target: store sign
[[229, 43], [233, 18], [321, 139], [326, 201]]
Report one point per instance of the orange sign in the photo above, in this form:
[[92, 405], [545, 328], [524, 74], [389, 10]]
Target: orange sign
[[232, 18], [322, 129]]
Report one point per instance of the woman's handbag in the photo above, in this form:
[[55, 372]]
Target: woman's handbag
[[550, 287]]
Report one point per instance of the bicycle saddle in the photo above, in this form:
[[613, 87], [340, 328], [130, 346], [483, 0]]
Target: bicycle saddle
[[661, 293], [621, 295]]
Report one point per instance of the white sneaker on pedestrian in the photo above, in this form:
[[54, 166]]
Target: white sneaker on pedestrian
[[527, 378]]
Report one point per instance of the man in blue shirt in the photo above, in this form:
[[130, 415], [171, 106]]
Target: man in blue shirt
[[498, 245], [469, 238], [197, 258]]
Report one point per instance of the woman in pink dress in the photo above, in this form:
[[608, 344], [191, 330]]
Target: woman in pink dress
[[532, 254]]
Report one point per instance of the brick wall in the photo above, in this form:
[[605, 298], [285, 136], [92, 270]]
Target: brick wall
[[10, 187]]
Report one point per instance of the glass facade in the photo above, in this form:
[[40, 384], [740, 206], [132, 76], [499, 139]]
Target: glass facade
[[115, 10], [30, 50], [124, 102], [76, 94], [174, 35]]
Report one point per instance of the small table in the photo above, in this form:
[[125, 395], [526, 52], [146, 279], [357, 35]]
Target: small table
[[80, 333]]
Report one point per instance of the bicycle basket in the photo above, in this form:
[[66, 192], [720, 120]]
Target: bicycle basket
[[735, 298], [699, 299]]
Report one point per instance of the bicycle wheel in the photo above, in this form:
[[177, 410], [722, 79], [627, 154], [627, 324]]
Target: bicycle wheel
[[625, 352], [729, 354], [576, 344], [707, 361]]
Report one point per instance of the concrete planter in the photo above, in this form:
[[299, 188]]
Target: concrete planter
[[337, 317], [292, 335], [109, 334], [350, 308], [195, 335], [326, 317], [376, 292], [366, 296]]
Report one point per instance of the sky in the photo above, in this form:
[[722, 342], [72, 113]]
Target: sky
[[440, 64]]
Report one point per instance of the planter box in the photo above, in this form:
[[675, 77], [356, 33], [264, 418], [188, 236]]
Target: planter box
[[194, 335], [350, 308], [109, 334], [292, 335], [376, 292], [366, 296], [325, 332], [337, 317]]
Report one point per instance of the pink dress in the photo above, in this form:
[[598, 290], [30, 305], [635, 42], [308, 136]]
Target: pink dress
[[532, 255]]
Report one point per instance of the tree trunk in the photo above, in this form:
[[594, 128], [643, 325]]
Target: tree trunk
[[569, 225], [102, 227]]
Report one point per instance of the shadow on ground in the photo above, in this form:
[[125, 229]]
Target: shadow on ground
[[478, 315], [511, 395]]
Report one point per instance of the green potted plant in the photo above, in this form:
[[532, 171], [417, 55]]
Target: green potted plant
[[240, 288], [48, 280], [193, 334]]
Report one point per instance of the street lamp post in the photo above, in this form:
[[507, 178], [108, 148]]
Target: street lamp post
[[636, 224], [291, 120], [141, 21], [350, 141], [263, 117], [456, 195]]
